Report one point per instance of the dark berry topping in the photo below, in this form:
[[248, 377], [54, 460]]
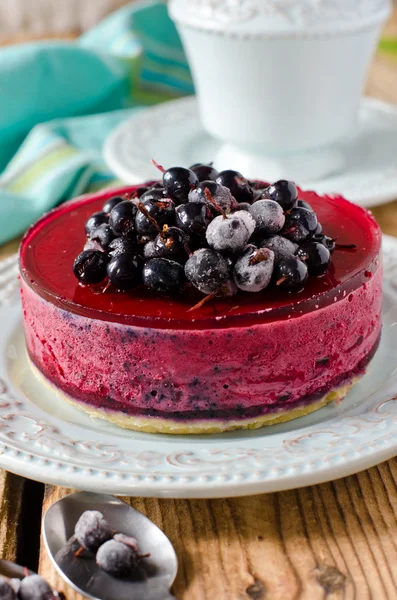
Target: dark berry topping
[[172, 243], [153, 214], [163, 275], [138, 192], [92, 530], [34, 587], [178, 182], [7, 592], [237, 184], [111, 203], [230, 233], [122, 245], [127, 540], [291, 273], [318, 229], [90, 266], [268, 216], [326, 241], [149, 250], [122, 218], [116, 558], [300, 224], [207, 270], [154, 194], [254, 269], [304, 204], [316, 256], [204, 172], [124, 271], [217, 197], [243, 206], [193, 217], [280, 246], [103, 235], [284, 192], [95, 220]]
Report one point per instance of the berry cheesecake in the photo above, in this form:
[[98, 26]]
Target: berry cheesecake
[[202, 303]]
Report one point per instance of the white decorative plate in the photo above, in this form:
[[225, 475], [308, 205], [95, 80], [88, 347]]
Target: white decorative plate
[[44, 438], [364, 167]]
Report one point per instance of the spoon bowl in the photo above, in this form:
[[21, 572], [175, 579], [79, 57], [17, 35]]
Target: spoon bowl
[[151, 581]]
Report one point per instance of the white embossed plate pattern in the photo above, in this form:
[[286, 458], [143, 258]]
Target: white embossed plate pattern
[[42, 437]]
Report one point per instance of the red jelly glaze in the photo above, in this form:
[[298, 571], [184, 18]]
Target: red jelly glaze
[[50, 246]]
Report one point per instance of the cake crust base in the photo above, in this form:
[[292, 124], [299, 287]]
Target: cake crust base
[[178, 427]]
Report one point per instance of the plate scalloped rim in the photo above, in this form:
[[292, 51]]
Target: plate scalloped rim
[[37, 444]]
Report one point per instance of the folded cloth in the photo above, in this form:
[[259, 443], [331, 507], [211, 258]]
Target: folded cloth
[[59, 101]]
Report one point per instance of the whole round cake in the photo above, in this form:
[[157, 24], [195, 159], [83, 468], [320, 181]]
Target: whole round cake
[[202, 303]]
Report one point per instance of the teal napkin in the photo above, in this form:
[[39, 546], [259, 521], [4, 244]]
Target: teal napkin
[[59, 101]]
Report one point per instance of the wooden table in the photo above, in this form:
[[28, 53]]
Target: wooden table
[[331, 541]]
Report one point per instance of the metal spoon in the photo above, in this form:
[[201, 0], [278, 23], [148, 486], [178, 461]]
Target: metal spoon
[[156, 574]]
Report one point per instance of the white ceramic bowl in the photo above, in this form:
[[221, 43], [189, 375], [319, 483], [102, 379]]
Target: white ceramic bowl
[[279, 76]]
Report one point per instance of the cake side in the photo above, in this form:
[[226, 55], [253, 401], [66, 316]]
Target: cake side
[[218, 375]]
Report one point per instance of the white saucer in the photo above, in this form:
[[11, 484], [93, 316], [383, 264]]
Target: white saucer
[[44, 438], [364, 167]]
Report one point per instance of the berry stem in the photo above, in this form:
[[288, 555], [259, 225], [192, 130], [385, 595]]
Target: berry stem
[[79, 551], [203, 301], [145, 212], [258, 256], [345, 246], [281, 280], [159, 167], [210, 199]]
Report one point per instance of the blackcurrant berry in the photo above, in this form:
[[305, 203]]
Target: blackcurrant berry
[[122, 218], [92, 530], [237, 184], [291, 273], [172, 243], [284, 192], [304, 204], [124, 271], [122, 245], [163, 275], [90, 266], [178, 182], [253, 270], [326, 241], [116, 558], [111, 203], [103, 235], [207, 270], [217, 197], [316, 256], [204, 172], [95, 220], [300, 224], [193, 217], [153, 214]]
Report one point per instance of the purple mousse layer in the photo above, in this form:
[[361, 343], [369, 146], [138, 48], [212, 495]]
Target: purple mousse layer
[[205, 373]]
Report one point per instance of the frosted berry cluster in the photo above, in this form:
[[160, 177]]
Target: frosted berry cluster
[[115, 553], [215, 231]]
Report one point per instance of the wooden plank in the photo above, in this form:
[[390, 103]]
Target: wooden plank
[[336, 540], [11, 489]]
